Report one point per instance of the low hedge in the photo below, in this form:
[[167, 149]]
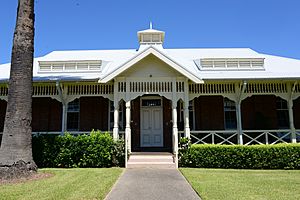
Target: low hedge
[[94, 150], [279, 156]]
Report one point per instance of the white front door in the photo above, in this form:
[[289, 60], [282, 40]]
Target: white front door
[[151, 123]]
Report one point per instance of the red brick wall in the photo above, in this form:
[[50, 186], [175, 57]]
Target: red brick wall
[[296, 109], [2, 114], [93, 113], [46, 114], [259, 112], [209, 113]]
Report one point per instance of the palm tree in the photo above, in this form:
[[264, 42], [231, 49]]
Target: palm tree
[[16, 147]]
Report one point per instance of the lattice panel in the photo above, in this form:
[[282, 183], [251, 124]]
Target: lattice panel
[[212, 88], [154, 86], [92, 89], [266, 88]]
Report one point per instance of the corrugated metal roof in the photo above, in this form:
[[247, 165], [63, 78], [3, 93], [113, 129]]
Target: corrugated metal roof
[[275, 66]]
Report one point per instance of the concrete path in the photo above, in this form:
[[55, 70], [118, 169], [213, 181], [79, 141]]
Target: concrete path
[[148, 184]]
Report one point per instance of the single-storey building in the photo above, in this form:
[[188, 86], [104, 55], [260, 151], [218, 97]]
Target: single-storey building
[[154, 95]]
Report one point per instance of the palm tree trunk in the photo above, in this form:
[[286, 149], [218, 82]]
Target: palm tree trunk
[[16, 144]]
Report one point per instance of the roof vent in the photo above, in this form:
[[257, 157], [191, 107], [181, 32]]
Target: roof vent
[[151, 36], [70, 66], [230, 63]]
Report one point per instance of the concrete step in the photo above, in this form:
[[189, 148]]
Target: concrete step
[[151, 160]]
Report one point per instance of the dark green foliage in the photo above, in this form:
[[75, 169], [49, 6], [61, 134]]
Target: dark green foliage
[[279, 156], [94, 150], [118, 153]]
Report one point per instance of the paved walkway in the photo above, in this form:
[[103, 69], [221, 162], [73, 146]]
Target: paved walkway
[[148, 184]]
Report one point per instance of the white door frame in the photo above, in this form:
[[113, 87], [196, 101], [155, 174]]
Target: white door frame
[[142, 108]]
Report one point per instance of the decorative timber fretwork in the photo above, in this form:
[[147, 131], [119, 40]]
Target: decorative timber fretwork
[[180, 86], [44, 90], [297, 88], [150, 87], [266, 88], [90, 89], [122, 87], [212, 88], [132, 87]]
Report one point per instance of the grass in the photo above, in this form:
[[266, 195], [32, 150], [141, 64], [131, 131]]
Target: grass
[[88, 183], [214, 184]]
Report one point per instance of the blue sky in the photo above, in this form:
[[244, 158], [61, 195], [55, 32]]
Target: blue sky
[[267, 26]]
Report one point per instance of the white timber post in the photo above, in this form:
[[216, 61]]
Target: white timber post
[[64, 117], [116, 113], [63, 98], [175, 132], [175, 127], [291, 113], [238, 102], [291, 120], [239, 122], [187, 130], [116, 120], [127, 127]]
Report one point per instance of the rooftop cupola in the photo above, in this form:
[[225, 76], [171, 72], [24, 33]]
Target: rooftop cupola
[[151, 37]]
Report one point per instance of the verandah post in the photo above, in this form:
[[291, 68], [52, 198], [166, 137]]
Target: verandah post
[[116, 121], [187, 130], [291, 90], [116, 113], [239, 122], [291, 121], [127, 127], [175, 132], [241, 90], [64, 117], [174, 119]]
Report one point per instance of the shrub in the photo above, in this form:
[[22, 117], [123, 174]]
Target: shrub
[[279, 156], [118, 153], [94, 150]]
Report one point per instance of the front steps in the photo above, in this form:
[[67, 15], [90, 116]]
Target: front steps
[[161, 160]]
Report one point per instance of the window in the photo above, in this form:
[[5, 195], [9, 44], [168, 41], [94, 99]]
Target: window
[[73, 115], [111, 115], [151, 102], [180, 106], [229, 114], [180, 115], [282, 113], [191, 115]]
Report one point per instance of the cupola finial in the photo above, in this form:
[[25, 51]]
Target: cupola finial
[[151, 37]]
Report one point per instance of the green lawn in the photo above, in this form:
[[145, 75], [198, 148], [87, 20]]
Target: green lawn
[[72, 184], [214, 184]]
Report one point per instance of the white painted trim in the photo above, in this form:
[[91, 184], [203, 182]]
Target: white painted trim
[[158, 54]]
